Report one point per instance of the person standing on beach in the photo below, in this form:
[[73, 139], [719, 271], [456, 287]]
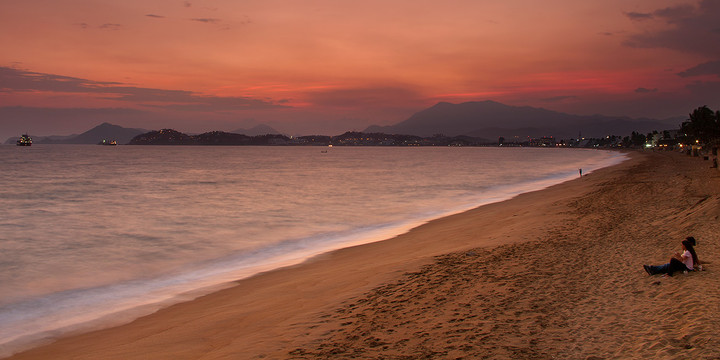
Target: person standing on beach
[[580, 171], [679, 262]]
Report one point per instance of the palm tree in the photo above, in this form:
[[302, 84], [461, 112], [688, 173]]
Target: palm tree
[[702, 125]]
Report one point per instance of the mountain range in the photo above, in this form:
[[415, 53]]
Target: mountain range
[[107, 131], [490, 120], [481, 119]]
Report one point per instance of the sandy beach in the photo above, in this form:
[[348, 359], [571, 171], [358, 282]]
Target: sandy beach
[[552, 274]]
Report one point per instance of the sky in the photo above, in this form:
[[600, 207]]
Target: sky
[[329, 66]]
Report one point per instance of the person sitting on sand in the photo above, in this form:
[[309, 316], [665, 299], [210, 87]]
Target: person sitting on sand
[[679, 262], [697, 265]]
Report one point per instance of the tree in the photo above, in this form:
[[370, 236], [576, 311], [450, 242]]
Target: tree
[[626, 142], [637, 139], [702, 125]]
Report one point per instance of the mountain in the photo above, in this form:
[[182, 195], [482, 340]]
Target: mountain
[[93, 136], [490, 119], [257, 130], [105, 131]]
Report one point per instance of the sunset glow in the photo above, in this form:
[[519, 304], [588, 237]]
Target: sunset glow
[[327, 66]]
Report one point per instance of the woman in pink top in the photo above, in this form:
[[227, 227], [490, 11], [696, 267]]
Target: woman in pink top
[[680, 262]]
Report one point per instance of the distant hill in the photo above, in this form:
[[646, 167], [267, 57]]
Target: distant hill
[[257, 130], [490, 119], [105, 131], [350, 138], [174, 137], [93, 136]]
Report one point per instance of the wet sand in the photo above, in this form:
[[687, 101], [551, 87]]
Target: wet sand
[[555, 273]]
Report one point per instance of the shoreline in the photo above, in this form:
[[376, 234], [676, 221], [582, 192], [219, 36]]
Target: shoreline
[[282, 311], [227, 270]]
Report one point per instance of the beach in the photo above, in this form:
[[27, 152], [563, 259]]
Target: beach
[[555, 273]]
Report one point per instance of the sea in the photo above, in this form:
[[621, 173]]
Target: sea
[[95, 236]]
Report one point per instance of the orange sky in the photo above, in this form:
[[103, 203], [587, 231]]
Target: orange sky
[[327, 66]]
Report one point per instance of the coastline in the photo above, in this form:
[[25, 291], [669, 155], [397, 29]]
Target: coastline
[[88, 308], [303, 311]]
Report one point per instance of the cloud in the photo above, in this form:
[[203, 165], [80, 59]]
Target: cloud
[[688, 28], [106, 26], [206, 20], [187, 4], [636, 16], [671, 14], [708, 68], [676, 13], [12, 79], [110, 26], [155, 16], [15, 80], [642, 90], [558, 98]]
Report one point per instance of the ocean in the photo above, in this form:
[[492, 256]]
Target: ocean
[[94, 236]]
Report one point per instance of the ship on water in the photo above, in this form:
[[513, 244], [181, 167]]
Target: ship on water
[[24, 140]]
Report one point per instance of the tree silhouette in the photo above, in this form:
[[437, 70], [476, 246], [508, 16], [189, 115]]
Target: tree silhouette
[[703, 125], [637, 139]]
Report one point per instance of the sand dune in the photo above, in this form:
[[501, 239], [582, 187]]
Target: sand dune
[[550, 274]]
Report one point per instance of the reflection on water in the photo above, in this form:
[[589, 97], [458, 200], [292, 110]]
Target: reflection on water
[[123, 222]]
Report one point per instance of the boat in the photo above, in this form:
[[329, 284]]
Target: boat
[[24, 140], [110, 143]]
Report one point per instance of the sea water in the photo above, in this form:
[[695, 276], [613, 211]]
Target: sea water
[[91, 236]]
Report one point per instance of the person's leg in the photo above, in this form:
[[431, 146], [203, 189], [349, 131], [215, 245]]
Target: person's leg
[[659, 269], [675, 265]]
